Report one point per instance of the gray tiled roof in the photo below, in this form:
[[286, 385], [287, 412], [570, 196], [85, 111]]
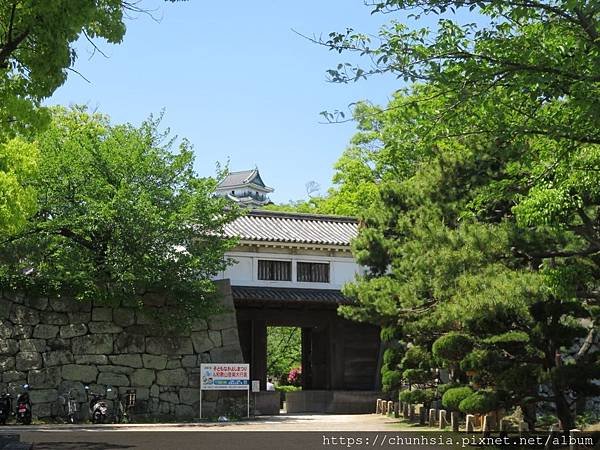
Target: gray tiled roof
[[241, 178], [288, 295], [271, 226]]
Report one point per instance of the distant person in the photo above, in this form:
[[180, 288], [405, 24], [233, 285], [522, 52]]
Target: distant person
[[270, 385]]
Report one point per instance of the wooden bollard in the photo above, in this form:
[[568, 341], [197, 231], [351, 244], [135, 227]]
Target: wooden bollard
[[411, 413], [523, 427], [443, 422], [396, 410], [422, 415], [390, 407], [383, 407], [405, 408], [470, 423], [486, 426], [432, 418], [378, 407], [454, 421]]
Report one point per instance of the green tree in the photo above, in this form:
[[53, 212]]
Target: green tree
[[36, 53], [492, 231], [284, 351], [121, 217]]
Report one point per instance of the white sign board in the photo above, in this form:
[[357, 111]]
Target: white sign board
[[216, 376], [255, 385]]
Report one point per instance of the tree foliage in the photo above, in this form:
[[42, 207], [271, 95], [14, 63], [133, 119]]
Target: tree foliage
[[121, 216], [284, 352], [487, 210], [36, 54]]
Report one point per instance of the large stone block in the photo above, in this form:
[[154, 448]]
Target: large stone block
[[12, 376], [104, 327], [73, 330], [100, 344], [28, 360], [8, 346], [59, 344], [222, 321], [189, 361], [91, 359], [32, 345], [201, 341], [7, 363], [230, 336], [102, 314], [43, 395], [170, 397], [130, 343], [40, 303], [189, 396], [64, 304], [22, 331], [6, 329], [123, 317], [215, 338], [5, 308], [154, 361], [57, 358], [80, 316], [173, 377], [169, 345], [24, 315], [55, 318], [113, 379], [49, 377], [80, 372], [199, 325], [142, 377], [42, 409], [134, 361], [116, 369], [226, 354], [45, 331]]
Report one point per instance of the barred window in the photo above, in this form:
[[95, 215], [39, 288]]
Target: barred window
[[274, 270], [313, 272]]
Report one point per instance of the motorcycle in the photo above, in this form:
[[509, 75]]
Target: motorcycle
[[97, 405], [23, 410], [5, 407]]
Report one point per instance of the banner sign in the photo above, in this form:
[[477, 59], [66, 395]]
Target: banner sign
[[217, 376]]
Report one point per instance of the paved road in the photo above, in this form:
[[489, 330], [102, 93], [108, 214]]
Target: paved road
[[290, 431]]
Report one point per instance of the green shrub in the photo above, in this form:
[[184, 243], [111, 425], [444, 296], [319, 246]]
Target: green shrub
[[479, 402], [452, 347], [416, 357], [452, 397], [390, 380], [288, 388], [416, 376], [392, 356], [415, 396], [478, 360], [442, 388]]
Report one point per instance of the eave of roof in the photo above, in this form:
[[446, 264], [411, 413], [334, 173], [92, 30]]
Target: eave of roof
[[261, 294]]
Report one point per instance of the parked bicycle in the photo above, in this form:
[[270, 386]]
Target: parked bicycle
[[124, 405], [70, 405]]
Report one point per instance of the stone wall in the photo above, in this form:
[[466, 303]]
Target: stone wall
[[57, 344]]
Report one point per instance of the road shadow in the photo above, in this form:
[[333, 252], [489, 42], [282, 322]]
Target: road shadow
[[79, 445]]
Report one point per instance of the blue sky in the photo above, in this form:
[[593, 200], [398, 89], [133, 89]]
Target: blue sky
[[236, 81]]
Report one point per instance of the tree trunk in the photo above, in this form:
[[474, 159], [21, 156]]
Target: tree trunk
[[563, 411]]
